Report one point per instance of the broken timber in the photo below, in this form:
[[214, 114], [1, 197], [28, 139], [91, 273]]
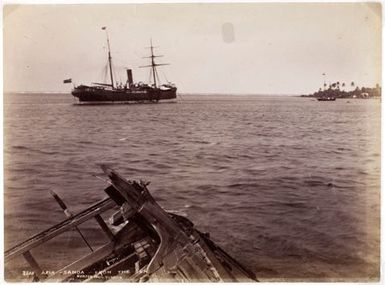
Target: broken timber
[[149, 245]]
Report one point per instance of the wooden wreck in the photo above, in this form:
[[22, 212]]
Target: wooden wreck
[[149, 245]]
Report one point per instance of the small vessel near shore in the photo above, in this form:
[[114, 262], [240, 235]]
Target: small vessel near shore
[[326, 98], [144, 243], [128, 92]]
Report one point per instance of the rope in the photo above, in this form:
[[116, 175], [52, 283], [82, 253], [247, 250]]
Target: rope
[[149, 77], [105, 73], [156, 75], [165, 77]]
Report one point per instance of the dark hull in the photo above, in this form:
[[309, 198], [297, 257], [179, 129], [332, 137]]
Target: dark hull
[[326, 99], [90, 94]]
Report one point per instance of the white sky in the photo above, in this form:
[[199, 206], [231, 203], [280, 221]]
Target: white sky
[[278, 48]]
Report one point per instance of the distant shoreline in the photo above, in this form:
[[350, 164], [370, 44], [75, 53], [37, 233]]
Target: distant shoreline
[[334, 91]]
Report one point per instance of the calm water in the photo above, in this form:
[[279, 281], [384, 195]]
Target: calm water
[[288, 186]]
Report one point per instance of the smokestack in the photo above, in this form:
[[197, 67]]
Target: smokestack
[[129, 77]]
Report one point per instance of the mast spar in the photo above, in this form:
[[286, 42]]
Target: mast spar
[[109, 57], [153, 64], [116, 92]]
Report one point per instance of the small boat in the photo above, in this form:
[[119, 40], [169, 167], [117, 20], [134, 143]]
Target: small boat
[[145, 242], [128, 92], [326, 99]]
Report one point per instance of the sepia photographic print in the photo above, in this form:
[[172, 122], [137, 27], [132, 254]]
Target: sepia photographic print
[[192, 142]]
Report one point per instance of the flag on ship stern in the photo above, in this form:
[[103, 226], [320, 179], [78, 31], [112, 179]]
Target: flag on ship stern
[[67, 80]]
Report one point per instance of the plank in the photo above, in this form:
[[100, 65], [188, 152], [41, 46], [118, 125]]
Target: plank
[[82, 263], [104, 227], [128, 260], [64, 226], [33, 263]]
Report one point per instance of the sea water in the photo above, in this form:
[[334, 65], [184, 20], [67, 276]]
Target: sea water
[[288, 186]]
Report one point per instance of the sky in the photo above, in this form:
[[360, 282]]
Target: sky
[[250, 48]]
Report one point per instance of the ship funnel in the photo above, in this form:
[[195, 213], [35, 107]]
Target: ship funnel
[[129, 77]]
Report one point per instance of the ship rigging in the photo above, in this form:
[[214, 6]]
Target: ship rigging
[[130, 91]]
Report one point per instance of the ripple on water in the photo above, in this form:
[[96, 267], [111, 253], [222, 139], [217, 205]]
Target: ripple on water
[[286, 185]]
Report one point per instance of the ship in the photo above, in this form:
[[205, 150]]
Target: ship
[[326, 98], [143, 242], [130, 91]]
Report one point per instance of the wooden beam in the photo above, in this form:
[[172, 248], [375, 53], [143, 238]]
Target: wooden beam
[[126, 260], [33, 263], [104, 227], [64, 226], [84, 262]]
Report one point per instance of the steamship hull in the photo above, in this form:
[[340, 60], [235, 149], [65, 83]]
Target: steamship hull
[[92, 94]]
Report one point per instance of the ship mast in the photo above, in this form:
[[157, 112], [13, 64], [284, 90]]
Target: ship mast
[[109, 58], [153, 64]]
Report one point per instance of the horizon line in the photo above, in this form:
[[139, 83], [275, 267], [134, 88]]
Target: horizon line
[[181, 93]]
